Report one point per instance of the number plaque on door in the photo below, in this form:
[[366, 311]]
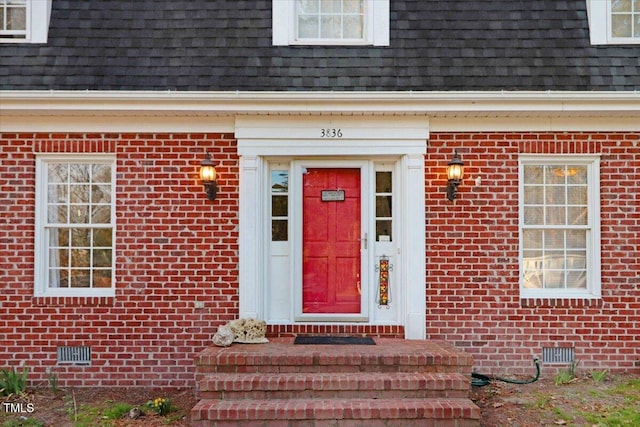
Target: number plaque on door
[[332, 195]]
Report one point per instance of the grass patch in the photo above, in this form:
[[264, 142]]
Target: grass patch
[[117, 410], [26, 422]]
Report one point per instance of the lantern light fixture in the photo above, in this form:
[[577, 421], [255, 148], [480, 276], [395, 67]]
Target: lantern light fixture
[[455, 171], [208, 176]]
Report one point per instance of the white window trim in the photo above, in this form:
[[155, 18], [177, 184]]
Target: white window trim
[[38, 15], [594, 285], [41, 288], [599, 14], [376, 26]]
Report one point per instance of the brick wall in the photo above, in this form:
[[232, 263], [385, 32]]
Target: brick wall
[[174, 247], [472, 255]]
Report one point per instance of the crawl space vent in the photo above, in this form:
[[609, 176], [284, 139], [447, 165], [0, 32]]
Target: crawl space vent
[[79, 355], [557, 355]]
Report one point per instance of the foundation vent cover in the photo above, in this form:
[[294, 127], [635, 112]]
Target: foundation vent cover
[[78, 355], [557, 355]]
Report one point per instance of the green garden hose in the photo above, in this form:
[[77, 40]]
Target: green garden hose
[[480, 380]]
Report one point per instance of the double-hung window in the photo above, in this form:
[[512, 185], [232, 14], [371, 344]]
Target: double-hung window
[[614, 21], [331, 22], [559, 227], [13, 19], [75, 225], [24, 21]]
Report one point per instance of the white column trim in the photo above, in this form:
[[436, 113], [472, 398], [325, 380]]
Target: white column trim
[[250, 264], [414, 255]]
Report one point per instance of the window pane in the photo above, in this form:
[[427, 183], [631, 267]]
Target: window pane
[[577, 279], [576, 239], [308, 27], [353, 6], [533, 215], [57, 214], [636, 25], [577, 195], [554, 239], [16, 18], [80, 278], [101, 193], [577, 216], [102, 279], [532, 239], [101, 214], [330, 6], [383, 182], [79, 173], [576, 175], [555, 215], [79, 193], [57, 173], [57, 193], [58, 258], [532, 279], [383, 230], [576, 260], [80, 257], [554, 175], [279, 231], [102, 237], [279, 205], [621, 25], [533, 174], [279, 181], [101, 174], [307, 6], [554, 279], [102, 258], [81, 237], [330, 27], [621, 6], [383, 206], [555, 195], [352, 27], [79, 214], [533, 195]]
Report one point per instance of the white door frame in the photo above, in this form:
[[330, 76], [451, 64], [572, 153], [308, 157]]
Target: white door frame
[[260, 137]]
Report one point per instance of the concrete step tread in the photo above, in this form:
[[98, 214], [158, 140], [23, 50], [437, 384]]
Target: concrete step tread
[[334, 381], [335, 409]]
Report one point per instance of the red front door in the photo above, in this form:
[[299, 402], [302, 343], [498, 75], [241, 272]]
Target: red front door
[[331, 241]]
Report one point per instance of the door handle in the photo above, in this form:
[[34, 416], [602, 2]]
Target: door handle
[[365, 240]]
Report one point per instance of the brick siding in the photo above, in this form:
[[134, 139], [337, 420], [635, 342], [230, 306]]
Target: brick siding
[[472, 254], [174, 247]]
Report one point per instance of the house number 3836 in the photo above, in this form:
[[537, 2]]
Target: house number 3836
[[331, 133]]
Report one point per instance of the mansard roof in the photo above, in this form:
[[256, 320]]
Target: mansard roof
[[226, 45]]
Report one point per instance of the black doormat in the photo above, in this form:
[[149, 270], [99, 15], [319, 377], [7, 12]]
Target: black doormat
[[308, 339]]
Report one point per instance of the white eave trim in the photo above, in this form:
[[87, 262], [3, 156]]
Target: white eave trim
[[16, 107]]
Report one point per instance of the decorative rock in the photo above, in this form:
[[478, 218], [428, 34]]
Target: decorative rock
[[224, 337], [249, 331], [134, 413]]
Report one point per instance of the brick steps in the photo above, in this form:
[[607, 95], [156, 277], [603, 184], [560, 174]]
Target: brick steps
[[333, 385], [394, 383], [321, 412]]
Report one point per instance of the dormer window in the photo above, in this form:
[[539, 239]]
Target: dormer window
[[331, 22], [625, 19], [14, 19], [24, 21], [614, 21]]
